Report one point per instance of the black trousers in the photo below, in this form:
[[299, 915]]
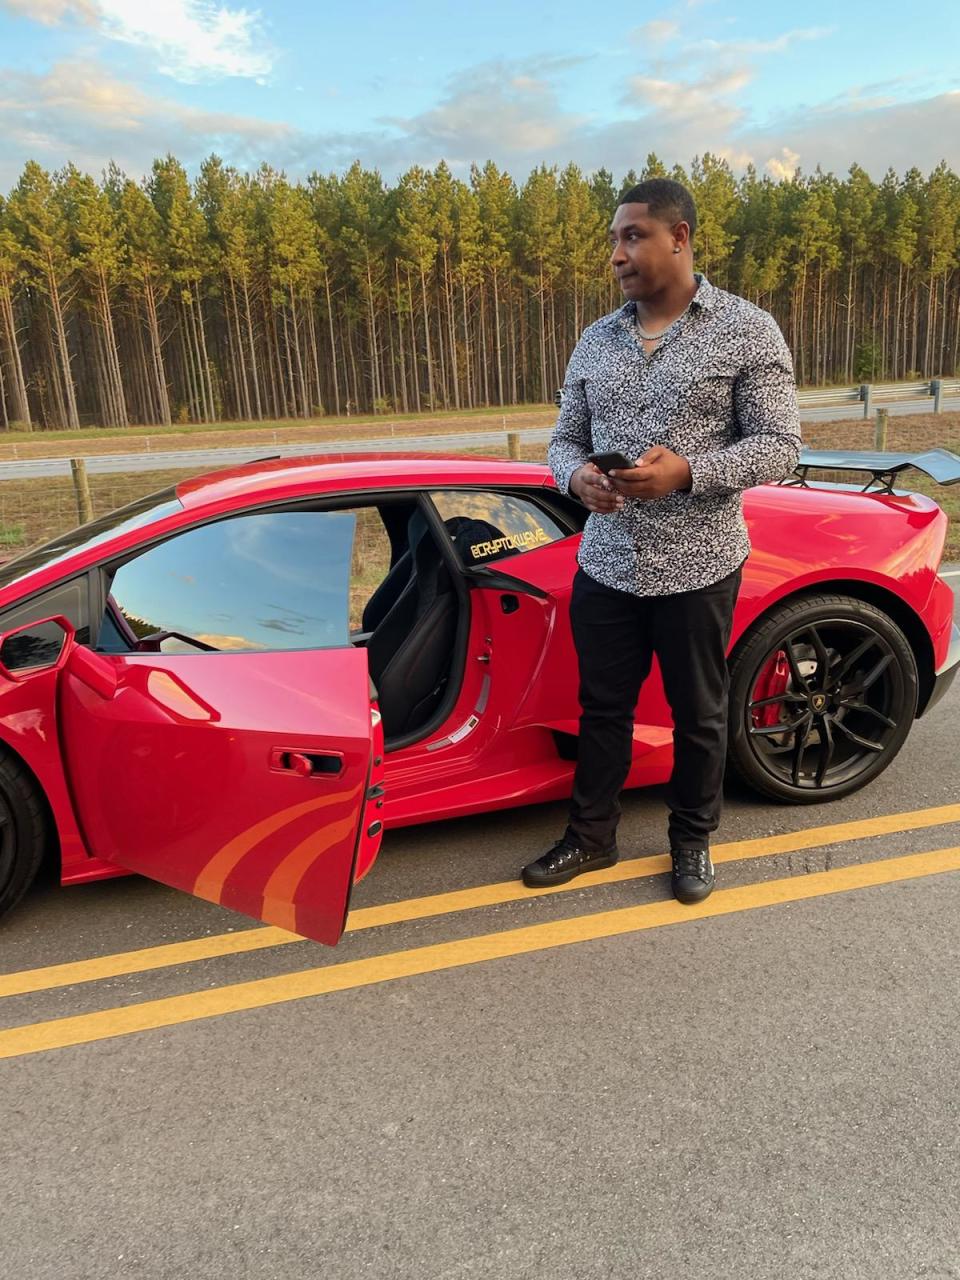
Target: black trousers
[[616, 636]]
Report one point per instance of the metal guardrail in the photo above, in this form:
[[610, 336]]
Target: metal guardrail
[[872, 393], [869, 393], [829, 395], [815, 404]]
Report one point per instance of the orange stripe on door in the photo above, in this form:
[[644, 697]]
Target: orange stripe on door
[[213, 874]]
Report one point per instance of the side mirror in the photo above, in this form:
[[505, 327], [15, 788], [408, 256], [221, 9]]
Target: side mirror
[[34, 647]]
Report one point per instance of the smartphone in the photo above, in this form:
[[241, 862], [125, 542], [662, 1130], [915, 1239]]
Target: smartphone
[[607, 462]]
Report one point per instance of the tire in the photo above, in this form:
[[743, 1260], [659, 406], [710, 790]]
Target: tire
[[823, 692], [24, 828]]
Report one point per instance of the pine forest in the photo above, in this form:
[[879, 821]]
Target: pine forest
[[244, 296]]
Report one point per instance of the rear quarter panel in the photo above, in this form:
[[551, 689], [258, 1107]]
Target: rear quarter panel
[[827, 537]]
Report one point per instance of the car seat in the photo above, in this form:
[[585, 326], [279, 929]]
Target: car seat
[[410, 650]]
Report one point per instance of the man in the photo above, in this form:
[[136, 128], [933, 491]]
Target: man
[[697, 386]]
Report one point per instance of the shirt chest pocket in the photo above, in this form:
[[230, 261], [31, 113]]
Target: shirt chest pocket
[[706, 392]]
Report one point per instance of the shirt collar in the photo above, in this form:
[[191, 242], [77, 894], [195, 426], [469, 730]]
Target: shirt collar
[[706, 296]]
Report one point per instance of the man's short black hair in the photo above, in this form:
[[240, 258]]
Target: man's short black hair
[[665, 199]]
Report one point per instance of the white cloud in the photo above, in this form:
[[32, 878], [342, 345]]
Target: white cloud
[[511, 112], [897, 135], [52, 12], [684, 99], [514, 115], [191, 40], [744, 48], [692, 98], [77, 112], [659, 31], [493, 105], [784, 165]]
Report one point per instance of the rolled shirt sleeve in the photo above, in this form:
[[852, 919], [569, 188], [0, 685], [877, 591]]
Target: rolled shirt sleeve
[[767, 420]]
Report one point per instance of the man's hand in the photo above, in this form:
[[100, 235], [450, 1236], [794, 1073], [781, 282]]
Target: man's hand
[[660, 471], [594, 490]]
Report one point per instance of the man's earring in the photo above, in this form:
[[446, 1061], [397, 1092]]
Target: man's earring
[[676, 248]]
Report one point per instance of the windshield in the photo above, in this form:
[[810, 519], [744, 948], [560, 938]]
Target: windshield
[[152, 507]]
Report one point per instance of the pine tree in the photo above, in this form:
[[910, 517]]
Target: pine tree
[[16, 403], [541, 246], [37, 221], [189, 256], [714, 190], [98, 253]]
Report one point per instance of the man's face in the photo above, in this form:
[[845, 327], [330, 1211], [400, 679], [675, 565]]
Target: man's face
[[642, 251]]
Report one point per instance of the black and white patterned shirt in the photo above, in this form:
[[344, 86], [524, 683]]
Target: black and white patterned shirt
[[719, 390]]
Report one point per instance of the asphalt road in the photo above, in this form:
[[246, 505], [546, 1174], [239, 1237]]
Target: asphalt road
[[204, 459], [766, 1091]]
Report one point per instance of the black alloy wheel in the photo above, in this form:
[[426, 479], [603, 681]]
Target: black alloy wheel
[[823, 693], [24, 828]]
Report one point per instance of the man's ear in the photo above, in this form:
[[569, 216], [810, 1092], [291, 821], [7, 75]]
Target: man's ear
[[681, 234]]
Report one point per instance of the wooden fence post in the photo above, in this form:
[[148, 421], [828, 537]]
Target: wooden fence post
[[880, 430], [866, 395], [936, 390], [513, 444], [81, 487]]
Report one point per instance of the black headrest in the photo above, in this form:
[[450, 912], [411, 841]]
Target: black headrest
[[475, 540]]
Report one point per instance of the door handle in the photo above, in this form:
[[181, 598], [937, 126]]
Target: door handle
[[305, 764]]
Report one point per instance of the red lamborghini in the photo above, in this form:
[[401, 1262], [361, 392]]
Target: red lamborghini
[[234, 685]]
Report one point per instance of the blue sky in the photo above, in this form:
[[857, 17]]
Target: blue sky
[[315, 86]]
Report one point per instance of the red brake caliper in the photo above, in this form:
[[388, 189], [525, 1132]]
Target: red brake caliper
[[774, 678]]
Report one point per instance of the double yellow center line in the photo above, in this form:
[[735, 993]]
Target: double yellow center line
[[439, 904], [193, 1006]]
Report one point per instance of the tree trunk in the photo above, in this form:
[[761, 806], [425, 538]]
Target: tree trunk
[[145, 406], [484, 358], [374, 343], [274, 362], [112, 355], [187, 360], [240, 361], [401, 354], [19, 400], [466, 342], [156, 353], [205, 383], [252, 349], [451, 330], [333, 344], [415, 365], [444, 390], [426, 338], [498, 342], [317, 406], [291, 384], [301, 380], [543, 338], [63, 351], [354, 376]]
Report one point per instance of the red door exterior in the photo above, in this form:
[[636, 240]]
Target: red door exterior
[[238, 777]]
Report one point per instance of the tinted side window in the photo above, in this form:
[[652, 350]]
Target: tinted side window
[[274, 580], [67, 598], [487, 526]]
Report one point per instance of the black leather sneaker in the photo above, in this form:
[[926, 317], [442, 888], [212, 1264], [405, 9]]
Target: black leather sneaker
[[564, 861], [693, 877]]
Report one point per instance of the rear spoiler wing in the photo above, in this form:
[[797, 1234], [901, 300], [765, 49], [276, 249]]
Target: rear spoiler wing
[[883, 468]]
